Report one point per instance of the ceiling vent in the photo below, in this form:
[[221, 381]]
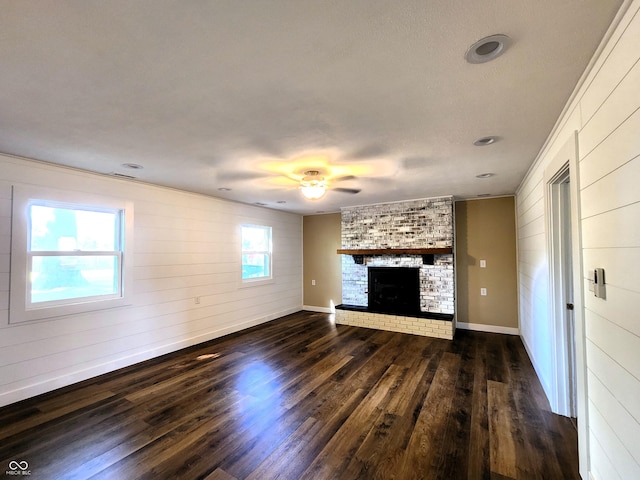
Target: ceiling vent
[[122, 175], [133, 166], [484, 141], [487, 48]]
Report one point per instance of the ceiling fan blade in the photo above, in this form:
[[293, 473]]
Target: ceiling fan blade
[[344, 178], [351, 191], [367, 151]]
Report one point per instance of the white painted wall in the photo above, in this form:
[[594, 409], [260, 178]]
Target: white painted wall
[[606, 113], [186, 245]]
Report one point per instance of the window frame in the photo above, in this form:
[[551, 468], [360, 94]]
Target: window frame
[[21, 306], [263, 279]]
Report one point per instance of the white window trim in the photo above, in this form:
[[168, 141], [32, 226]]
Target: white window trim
[[19, 310], [248, 282]]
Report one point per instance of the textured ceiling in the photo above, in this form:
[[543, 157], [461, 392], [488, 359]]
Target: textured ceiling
[[248, 95]]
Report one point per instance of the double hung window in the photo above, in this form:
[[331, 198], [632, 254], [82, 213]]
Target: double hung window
[[256, 253], [74, 253], [69, 257]]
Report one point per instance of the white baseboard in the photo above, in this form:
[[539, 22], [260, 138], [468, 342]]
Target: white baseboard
[[311, 308], [477, 327]]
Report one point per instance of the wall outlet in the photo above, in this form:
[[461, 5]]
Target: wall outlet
[[313, 282], [483, 292], [483, 264], [197, 300]]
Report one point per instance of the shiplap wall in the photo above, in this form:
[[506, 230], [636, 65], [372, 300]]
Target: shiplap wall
[[606, 114], [186, 246]]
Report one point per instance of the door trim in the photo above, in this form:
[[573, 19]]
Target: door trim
[[567, 156]]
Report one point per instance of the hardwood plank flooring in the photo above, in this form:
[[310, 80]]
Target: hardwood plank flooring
[[302, 398]]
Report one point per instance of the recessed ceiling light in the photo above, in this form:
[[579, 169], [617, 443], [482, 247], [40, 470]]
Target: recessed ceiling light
[[487, 48], [224, 189], [484, 141], [133, 166], [485, 175]]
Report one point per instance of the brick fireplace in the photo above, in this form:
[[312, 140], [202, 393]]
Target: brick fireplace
[[415, 234]]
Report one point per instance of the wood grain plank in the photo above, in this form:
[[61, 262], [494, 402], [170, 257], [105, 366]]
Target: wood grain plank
[[342, 446], [286, 455], [453, 461], [55, 408], [219, 474], [424, 445], [501, 443], [478, 463]]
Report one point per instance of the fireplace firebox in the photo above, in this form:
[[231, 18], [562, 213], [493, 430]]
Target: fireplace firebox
[[394, 290]]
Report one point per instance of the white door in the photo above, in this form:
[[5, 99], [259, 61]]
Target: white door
[[562, 292], [567, 286]]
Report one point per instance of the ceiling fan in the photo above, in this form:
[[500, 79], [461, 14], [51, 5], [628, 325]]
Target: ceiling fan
[[313, 185], [313, 173]]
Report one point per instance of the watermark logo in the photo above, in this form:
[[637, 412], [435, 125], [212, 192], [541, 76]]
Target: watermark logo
[[18, 467]]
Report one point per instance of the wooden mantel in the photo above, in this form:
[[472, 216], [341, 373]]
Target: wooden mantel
[[396, 251]]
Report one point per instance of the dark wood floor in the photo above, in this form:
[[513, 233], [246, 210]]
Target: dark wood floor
[[302, 398]]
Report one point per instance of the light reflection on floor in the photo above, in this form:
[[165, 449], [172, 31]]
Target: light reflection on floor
[[260, 391]]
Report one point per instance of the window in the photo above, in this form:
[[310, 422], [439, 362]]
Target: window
[[73, 252], [256, 253], [68, 257]]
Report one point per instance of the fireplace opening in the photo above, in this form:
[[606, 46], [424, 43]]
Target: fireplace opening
[[394, 290]]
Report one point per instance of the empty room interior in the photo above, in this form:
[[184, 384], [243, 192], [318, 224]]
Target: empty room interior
[[320, 240]]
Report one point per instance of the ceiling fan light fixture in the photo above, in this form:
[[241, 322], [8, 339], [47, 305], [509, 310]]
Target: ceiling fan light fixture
[[487, 49], [313, 190], [312, 185]]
